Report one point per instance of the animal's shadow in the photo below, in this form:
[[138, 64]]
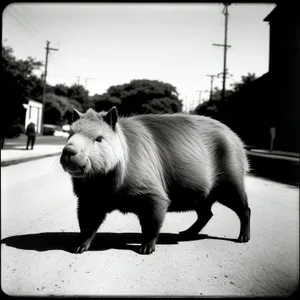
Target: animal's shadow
[[67, 241]]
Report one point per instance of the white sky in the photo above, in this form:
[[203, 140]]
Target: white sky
[[111, 44]]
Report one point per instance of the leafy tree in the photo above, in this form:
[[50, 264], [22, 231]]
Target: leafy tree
[[213, 107], [61, 90], [162, 105], [37, 86], [59, 110], [219, 108], [105, 102], [17, 86], [245, 110], [36, 92], [207, 108], [78, 92], [244, 82], [141, 96]]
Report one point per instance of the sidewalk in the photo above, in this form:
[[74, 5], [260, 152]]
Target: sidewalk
[[20, 154]]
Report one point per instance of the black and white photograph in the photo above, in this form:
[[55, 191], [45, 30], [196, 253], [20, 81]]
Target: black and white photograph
[[150, 149]]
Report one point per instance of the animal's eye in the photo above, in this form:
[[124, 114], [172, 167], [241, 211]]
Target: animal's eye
[[99, 139]]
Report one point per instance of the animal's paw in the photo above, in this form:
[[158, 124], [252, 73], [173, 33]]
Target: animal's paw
[[147, 249], [83, 247], [243, 238]]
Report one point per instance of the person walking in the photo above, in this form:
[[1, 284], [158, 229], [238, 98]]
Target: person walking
[[30, 132], [2, 140]]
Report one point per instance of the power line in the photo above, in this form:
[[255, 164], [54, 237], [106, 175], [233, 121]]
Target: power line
[[29, 33], [20, 23], [32, 27]]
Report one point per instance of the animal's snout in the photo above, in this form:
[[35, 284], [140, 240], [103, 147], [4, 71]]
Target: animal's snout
[[70, 150], [73, 159]]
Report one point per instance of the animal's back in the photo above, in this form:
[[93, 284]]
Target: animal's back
[[194, 151]]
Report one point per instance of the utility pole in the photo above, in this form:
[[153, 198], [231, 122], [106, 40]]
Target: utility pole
[[186, 103], [199, 101], [225, 12], [200, 95], [211, 84], [226, 73], [78, 80], [44, 86], [86, 79]]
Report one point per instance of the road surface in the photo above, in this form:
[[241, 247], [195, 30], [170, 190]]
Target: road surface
[[39, 230]]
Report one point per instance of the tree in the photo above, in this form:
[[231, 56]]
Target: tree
[[105, 102], [162, 105], [78, 93], [17, 87], [36, 90], [141, 96], [213, 107], [244, 82], [61, 90], [219, 108], [246, 110], [59, 110]]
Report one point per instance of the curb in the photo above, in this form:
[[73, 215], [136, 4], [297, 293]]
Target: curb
[[272, 156], [22, 160], [282, 170]]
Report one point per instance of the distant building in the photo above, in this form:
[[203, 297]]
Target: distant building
[[284, 73], [267, 112], [34, 114]]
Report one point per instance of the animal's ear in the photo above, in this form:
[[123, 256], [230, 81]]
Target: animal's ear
[[111, 117], [76, 115]]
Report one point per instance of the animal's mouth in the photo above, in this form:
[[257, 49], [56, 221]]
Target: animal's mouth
[[76, 175], [80, 172], [76, 166]]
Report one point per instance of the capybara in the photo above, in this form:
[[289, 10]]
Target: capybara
[[152, 164]]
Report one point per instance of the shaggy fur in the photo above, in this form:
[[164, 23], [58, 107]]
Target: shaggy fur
[[151, 164]]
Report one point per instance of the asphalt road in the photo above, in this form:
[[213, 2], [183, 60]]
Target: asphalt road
[[39, 230]]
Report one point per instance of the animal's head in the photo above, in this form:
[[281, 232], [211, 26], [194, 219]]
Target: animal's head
[[94, 145]]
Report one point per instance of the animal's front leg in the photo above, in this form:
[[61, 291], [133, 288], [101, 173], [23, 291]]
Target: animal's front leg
[[90, 218], [85, 243], [151, 220]]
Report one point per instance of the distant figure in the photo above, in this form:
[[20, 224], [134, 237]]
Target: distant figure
[[2, 140], [30, 132], [273, 134]]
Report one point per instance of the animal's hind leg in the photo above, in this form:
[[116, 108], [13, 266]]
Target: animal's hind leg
[[204, 214], [244, 215], [233, 196]]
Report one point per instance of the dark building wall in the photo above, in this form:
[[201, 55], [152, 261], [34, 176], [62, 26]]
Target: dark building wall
[[249, 113], [284, 68]]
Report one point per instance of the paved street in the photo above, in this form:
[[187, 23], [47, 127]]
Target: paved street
[[39, 229]]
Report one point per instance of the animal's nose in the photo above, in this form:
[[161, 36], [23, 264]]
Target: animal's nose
[[70, 150]]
